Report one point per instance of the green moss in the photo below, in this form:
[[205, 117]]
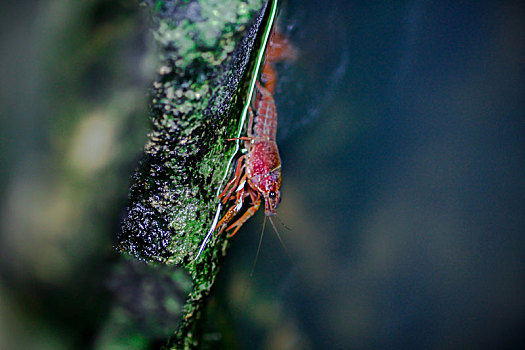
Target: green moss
[[197, 101]]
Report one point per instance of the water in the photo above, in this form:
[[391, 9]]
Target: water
[[403, 182]]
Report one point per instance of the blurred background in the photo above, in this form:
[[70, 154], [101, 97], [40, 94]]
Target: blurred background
[[402, 134]]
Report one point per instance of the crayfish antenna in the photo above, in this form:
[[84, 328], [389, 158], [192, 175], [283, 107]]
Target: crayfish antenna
[[258, 248], [282, 223], [281, 240]]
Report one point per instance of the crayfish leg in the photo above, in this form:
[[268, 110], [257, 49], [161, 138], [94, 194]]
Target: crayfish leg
[[244, 138], [247, 215], [232, 211], [233, 183]]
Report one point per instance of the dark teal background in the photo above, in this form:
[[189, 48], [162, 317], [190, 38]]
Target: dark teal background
[[403, 146]]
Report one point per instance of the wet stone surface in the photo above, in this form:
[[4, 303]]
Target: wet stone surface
[[205, 50]]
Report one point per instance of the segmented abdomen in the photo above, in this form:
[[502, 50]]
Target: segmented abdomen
[[266, 115]]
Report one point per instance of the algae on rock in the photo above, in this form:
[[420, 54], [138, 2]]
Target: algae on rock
[[207, 51]]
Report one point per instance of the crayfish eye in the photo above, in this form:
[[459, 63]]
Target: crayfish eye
[[271, 194]]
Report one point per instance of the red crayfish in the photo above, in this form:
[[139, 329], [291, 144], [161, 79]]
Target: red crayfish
[[258, 172]]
